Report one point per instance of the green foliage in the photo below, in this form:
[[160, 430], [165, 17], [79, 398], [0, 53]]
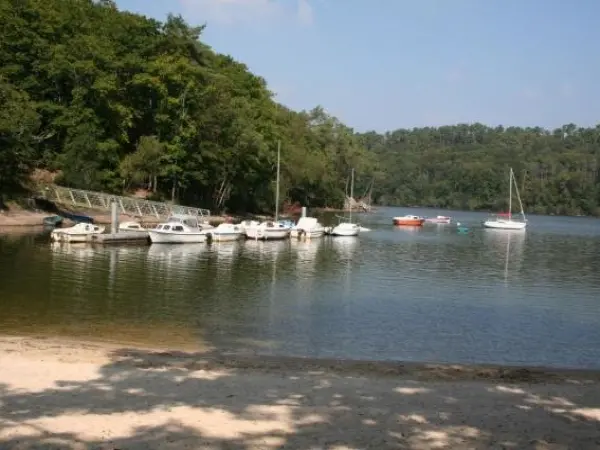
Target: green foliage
[[466, 167], [118, 101], [18, 125], [126, 101]]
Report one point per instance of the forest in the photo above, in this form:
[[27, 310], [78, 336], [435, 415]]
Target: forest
[[117, 102]]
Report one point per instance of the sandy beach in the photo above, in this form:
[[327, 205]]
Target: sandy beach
[[58, 394]]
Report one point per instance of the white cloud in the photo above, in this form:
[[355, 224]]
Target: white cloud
[[235, 12]]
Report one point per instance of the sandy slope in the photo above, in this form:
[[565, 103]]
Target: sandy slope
[[64, 395]]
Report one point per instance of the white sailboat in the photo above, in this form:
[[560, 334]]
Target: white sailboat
[[506, 221], [347, 228], [270, 229]]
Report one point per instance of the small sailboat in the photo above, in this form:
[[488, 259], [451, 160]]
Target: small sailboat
[[270, 229], [347, 228], [506, 221]]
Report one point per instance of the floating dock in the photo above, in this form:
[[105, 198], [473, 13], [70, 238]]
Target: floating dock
[[124, 237]]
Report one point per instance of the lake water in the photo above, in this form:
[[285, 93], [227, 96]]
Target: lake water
[[427, 294]]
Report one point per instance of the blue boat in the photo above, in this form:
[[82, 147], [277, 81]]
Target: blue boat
[[53, 221], [78, 218]]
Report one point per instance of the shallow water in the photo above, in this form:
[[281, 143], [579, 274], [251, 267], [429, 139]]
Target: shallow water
[[427, 294]]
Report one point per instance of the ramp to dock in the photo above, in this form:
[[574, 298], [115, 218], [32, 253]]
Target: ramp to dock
[[127, 205]]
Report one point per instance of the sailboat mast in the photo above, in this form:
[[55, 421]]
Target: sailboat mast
[[519, 198], [510, 183], [277, 192], [351, 195]]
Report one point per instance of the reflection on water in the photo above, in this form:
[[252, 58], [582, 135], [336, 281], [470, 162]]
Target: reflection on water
[[493, 296], [506, 246]]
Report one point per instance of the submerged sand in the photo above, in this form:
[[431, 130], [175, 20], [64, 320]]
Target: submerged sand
[[66, 395]]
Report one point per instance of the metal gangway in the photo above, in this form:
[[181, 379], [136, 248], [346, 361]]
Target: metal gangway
[[127, 205]]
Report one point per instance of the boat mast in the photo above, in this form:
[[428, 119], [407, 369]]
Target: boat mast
[[277, 192], [519, 198], [510, 183], [351, 195]]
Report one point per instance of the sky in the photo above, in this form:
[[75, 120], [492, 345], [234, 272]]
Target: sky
[[387, 64]]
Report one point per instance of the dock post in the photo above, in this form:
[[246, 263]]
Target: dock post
[[303, 211], [114, 218]]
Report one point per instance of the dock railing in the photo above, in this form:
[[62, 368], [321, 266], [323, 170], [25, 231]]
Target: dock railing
[[127, 205]]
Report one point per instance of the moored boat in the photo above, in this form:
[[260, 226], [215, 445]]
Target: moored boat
[[345, 229], [53, 221], [225, 232], [307, 227], [505, 221], [268, 231], [178, 229], [438, 219], [131, 226], [411, 221], [80, 232]]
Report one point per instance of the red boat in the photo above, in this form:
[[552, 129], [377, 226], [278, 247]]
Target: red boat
[[411, 221]]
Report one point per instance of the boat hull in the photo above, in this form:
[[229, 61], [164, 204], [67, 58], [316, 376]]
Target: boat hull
[[76, 234], [409, 222], [345, 231], [504, 225], [165, 237], [439, 220], [267, 234], [225, 237], [308, 234]]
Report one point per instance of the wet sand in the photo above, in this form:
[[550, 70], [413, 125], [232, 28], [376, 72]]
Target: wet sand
[[67, 395]]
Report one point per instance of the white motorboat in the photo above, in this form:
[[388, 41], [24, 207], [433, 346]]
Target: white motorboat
[[80, 232], [179, 229], [505, 221], [307, 227], [225, 232], [268, 231], [439, 219], [131, 226]]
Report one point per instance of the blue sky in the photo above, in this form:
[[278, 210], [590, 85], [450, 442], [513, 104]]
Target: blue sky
[[387, 64]]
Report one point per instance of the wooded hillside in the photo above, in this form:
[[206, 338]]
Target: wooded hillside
[[115, 101]]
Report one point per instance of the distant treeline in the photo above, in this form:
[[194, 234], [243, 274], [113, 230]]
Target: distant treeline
[[115, 101], [466, 167]]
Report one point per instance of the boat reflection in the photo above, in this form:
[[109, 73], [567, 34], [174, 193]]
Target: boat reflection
[[507, 246], [265, 250], [225, 252], [176, 255], [306, 254], [345, 247], [409, 229]]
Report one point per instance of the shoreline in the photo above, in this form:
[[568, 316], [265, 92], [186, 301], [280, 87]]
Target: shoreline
[[60, 393], [202, 357]]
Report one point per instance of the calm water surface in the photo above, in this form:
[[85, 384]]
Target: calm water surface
[[392, 294]]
